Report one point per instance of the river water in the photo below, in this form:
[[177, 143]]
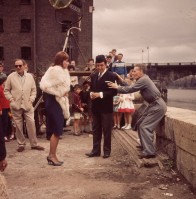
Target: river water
[[182, 98]]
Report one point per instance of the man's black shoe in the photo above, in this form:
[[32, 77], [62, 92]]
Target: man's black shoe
[[20, 149], [139, 148], [141, 156], [91, 154], [107, 155]]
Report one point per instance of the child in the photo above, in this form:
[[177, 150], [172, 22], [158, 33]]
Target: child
[[116, 101], [74, 79], [126, 106], [77, 109], [86, 105]]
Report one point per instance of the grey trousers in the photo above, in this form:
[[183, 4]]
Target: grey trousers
[[148, 122], [30, 124]]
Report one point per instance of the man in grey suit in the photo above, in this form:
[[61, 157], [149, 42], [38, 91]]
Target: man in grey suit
[[154, 112], [20, 90]]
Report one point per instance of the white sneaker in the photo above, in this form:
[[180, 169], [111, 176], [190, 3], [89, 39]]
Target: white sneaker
[[6, 139], [115, 126], [128, 127], [123, 127], [12, 137]]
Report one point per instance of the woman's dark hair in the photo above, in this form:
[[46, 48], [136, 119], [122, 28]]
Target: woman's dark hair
[[60, 57]]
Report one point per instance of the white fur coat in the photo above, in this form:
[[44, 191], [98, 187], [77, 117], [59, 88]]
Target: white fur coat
[[56, 81]]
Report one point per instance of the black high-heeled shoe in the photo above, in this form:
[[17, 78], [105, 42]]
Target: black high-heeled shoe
[[48, 158], [51, 162]]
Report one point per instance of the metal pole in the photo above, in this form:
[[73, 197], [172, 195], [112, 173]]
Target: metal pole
[[148, 54], [38, 102], [67, 36], [142, 56]]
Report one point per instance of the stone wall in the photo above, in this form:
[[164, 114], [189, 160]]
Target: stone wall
[[176, 135]]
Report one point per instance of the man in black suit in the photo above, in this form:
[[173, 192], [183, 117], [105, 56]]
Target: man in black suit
[[102, 107]]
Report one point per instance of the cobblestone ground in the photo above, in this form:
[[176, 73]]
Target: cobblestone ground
[[29, 176]]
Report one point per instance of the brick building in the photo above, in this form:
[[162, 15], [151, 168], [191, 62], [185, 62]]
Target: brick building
[[31, 29]]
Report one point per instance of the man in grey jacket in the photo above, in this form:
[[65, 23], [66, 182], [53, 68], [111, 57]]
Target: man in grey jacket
[[154, 112], [20, 90]]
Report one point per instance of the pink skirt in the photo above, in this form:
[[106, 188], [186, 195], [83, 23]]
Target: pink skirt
[[126, 110]]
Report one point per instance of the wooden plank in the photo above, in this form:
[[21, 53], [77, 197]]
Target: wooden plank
[[128, 148], [129, 142]]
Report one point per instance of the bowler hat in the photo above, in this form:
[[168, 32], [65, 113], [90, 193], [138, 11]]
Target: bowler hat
[[100, 58]]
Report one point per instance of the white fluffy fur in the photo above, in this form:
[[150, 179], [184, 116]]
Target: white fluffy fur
[[56, 81]]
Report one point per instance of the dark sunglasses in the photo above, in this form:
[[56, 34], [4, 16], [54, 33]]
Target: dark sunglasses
[[18, 66]]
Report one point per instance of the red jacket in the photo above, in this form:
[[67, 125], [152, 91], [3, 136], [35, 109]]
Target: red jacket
[[4, 103]]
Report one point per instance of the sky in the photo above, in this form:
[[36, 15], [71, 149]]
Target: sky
[[167, 27]]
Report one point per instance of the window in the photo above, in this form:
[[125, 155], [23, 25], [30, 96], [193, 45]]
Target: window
[[26, 53], [25, 2], [1, 53], [1, 25], [66, 25], [25, 25]]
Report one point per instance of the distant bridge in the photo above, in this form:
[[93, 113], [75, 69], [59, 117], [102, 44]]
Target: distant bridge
[[172, 74], [169, 74]]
